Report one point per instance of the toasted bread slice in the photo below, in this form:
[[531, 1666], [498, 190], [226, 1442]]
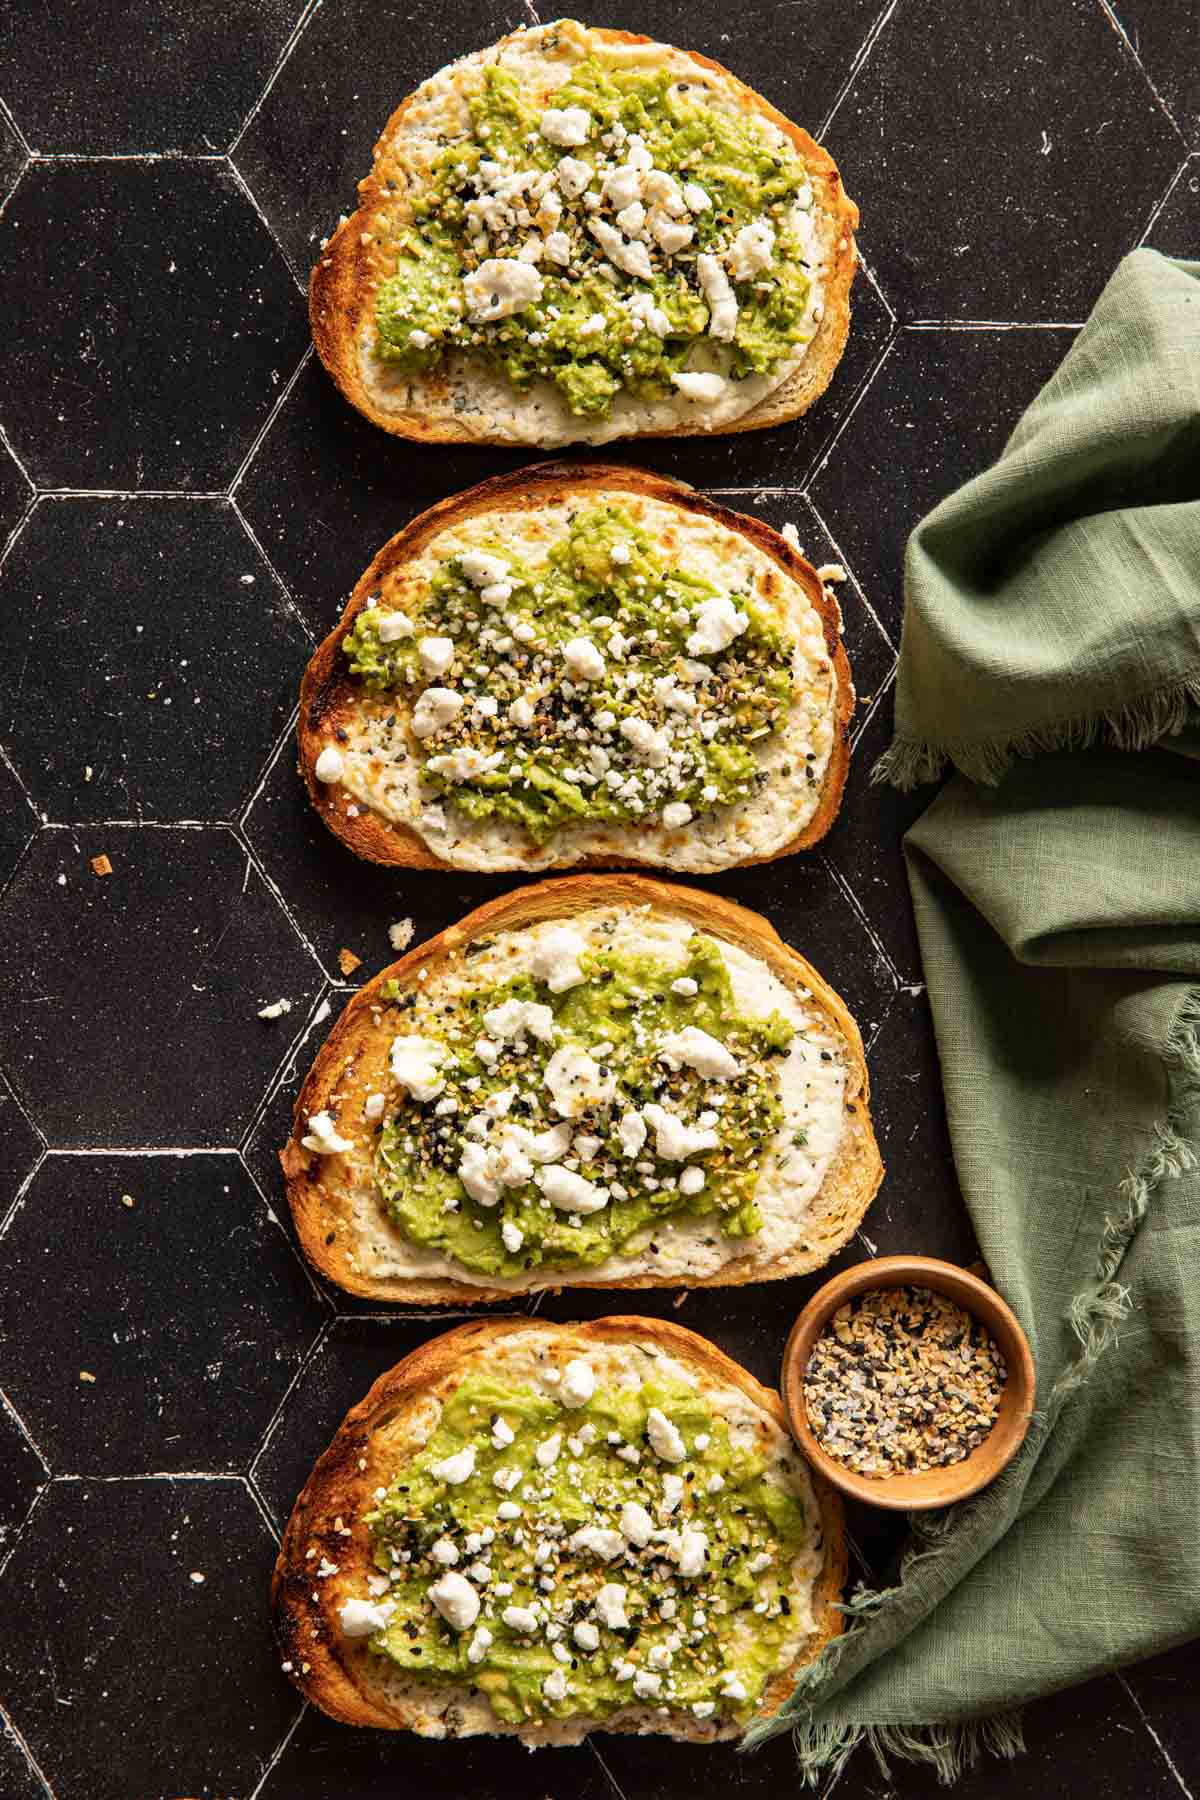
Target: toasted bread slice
[[376, 797], [464, 399], [326, 1559], [811, 1173]]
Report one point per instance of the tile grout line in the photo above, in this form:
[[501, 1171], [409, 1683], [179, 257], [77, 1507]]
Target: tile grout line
[[282, 1745], [273, 1422], [242, 183], [289, 599], [280, 1075], [293, 1247], [608, 1774], [839, 881], [256, 1501], [992, 325], [18, 1737], [1161, 1747], [1139, 65], [25, 1432], [1167, 194], [847, 563], [289, 384], [306, 13], [243, 838], [7, 114], [864, 51]]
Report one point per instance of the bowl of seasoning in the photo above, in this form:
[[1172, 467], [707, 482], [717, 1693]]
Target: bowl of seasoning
[[908, 1382]]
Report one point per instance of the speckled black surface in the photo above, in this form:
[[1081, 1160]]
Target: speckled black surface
[[184, 503]]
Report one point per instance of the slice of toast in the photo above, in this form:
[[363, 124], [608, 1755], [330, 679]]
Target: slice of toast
[[377, 803], [326, 1558], [464, 400], [808, 1208]]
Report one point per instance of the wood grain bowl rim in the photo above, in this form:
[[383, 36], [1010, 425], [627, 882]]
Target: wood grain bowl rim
[[933, 1487]]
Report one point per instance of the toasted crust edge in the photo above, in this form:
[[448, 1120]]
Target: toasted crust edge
[[327, 691], [307, 1634], [319, 1211], [343, 276]]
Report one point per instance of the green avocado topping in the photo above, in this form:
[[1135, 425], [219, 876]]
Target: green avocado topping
[[662, 726], [496, 1115], [697, 1616], [504, 229]]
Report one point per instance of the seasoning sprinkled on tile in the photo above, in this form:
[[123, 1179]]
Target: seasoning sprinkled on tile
[[902, 1380]]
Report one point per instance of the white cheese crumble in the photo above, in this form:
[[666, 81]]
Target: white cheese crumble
[[500, 287], [578, 1383], [330, 764], [555, 958], [322, 1136], [568, 126], [415, 1062], [700, 1051], [665, 1438], [436, 707], [700, 384], [359, 1618], [456, 1469], [718, 623], [456, 1600]]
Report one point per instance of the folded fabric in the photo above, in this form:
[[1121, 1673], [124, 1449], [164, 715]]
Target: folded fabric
[[1051, 653]]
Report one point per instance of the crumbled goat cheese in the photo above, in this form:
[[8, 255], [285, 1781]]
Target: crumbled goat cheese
[[400, 935], [582, 659], [512, 1236], [697, 384], [722, 301], [568, 126], [706, 1054], [676, 814], [571, 1192], [393, 626], [630, 256], [555, 958], [359, 1618], [636, 1524], [750, 253], [436, 654], [414, 1063], [456, 1600], [435, 708], [609, 1606], [500, 287], [674, 1139], [665, 1440], [574, 1082], [718, 622], [322, 1136], [598, 1540], [455, 1469], [330, 764], [482, 569], [578, 1383], [515, 1019]]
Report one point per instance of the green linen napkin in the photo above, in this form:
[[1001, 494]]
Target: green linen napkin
[[1052, 629]]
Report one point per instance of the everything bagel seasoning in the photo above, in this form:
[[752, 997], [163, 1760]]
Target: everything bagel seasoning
[[901, 1380]]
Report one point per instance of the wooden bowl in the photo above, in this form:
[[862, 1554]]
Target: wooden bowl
[[933, 1487]]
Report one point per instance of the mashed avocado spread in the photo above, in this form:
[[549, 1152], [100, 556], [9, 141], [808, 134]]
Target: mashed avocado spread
[[557, 1121], [598, 239], [566, 1558], [595, 685]]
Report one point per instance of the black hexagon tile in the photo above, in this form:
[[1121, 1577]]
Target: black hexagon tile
[[137, 1608], [18, 1779], [864, 843], [338, 901], [353, 1354], [1163, 1691], [199, 1313], [919, 1207], [995, 143], [79, 75], [165, 615], [20, 1147], [151, 354], [15, 491], [871, 653], [360, 487], [1165, 38], [326, 1761], [939, 409], [129, 1001], [23, 1473], [18, 821], [12, 150], [1175, 229]]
